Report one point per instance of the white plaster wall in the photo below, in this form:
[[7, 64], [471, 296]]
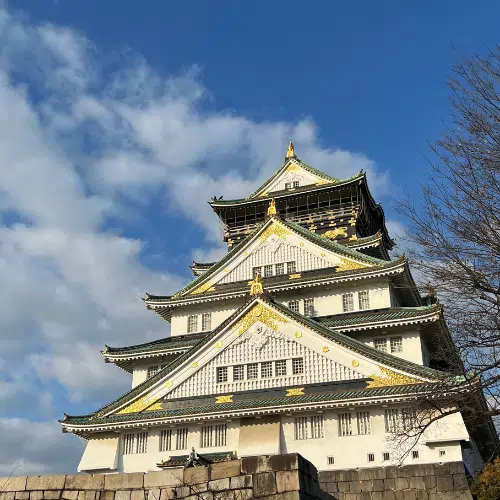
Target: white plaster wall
[[303, 176], [140, 373]]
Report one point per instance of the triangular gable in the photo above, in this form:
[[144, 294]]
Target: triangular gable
[[279, 241], [335, 352]]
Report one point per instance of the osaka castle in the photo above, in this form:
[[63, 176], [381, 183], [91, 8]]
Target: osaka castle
[[306, 337]]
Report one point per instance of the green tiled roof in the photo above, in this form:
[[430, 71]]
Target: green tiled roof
[[363, 241]]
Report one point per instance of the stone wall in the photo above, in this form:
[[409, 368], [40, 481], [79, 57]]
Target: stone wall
[[278, 477], [410, 482]]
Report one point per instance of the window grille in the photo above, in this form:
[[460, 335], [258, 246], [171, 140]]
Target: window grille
[[220, 436], [309, 307], [153, 370], [182, 438], [207, 436], [442, 453], [142, 442], [280, 268], [297, 366], [391, 420], [371, 457], [409, 417], [291, 267], [331, 460], [364, 426], [268, 271], [266, 369], [128, 444], [293, 305], [252, 371], [166, 440], [317, 429], [288, 185], [239, 372], [296, 184], [414, 454], [221, 374], [380, 344], [280, 367], [206, 321], [347, 302], [364, 299], [345, 424], [255, 271], [386, 456], [192, 323], [396, 344], [301, 428]]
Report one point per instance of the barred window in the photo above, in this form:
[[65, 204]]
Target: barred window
[[414, 454], [297, 366], [364, 426], [371, 457], [166, 440], [153, 370], [317, 427], [296, 184], [239, 372], [301, 428], [280, 268], [213, 435], [252, 371], [347, 302], [268, 271], [128, 444], [309, 307], [409, 417], [221, 374], [396, 344], [331, 460], [142, 442], [386, 456], [288, 185], [291, 267], [182, 438], [364, 299], [255, 271], [206, 321], [391, 420], [280, 367], [380, 344], [345, 424], [266, 369], [192, 323], [293, 305]]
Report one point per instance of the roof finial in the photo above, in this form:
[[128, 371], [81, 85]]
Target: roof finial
[[272, 208], [290, 152], [256, 286]]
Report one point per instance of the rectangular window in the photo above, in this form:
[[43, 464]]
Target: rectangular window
[[256, 270], [128, 444], [293, 305], [220, 435], [288, 185], [391, 420], [414, 454], [347, 302], [296, 184], [371, 457], [396, 344], [192, 323], [166, 440], [291, 267], [317, 429], [442, 453], [280, 269], [364, 426], [301, 428], [409, 417], [297, 366], [386, 456], [345, 424], [221, 374], [380, 344], [206, 322], [280, 367], [331, 460], [309, 308], [364, 299], [268, 271], [182, 438], [206, 436], [153, 370], [266, 369], [252, 371], [238, 372], [142, 442]]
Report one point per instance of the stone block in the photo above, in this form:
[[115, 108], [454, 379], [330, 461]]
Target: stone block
[[106, 495], [199, 488], [255, 465], [225, 469], [389, 495], [351, 496], [138, 495], [224, 495], [456, 468], [244, 494], [72, 495], [167, 494], [122, 495], [7, 495], [329, 476], [430, 482], [348, 475], [402, 483], [377, 495], [422, 495], [355, 486], [90, 495], [172, 477], [153, 494], [13, 483], [289, 461], [55, 495], [264, 484], [392, 472], [366, 485], [22, 495], [444, 483], [365, 495], [182, 491], [45, 483], [378, 484], [343, 486], [194, 475], [239, 482], [206, 495], [390, 484], [409, 495], [331, 487], [375, 473], [460, 482], [417, 483], [36, 495], [124, 481], [84, 482], [219, 484], [287, 480]]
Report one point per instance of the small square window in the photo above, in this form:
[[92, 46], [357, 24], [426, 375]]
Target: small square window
[[153, 370], [309, 308], [442, 453], [371, 457], [280, 367], [252, 371], [331, 460], [291, 267], [380, 344], [221, 374], [414, 454], [294, 306], [266, 369], [297, 366], [206, 322], [268, 271], [239, 372], [396, 344], [280, 268], [347, 302], [364, 299], [296, 184], [192, 323], [386, 456]]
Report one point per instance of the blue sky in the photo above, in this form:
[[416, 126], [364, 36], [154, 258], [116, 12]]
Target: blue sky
[[118, 120]]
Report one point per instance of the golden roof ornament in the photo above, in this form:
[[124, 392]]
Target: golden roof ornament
[[272, 208], [256, 286], [290, 152]]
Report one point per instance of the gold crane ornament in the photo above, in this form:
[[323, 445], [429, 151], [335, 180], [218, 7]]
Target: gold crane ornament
[[290, 152]]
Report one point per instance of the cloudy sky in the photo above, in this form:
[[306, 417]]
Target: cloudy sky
[[120, 119]]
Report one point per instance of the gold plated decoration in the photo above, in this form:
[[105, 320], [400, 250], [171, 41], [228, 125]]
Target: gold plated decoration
[[155, 406], [353, 238], [349, 265], [355, 363], [298, 335], [194, 364], [262, 313], [295, 276], [322, 181], [290, 152], [325, 348], [272, 208], [218, 344], [168, 383], [265, 193], [298, 391], [391, 378], [274, 228], [333, 233], [138, 405], [203, 288], [301, 243], [224, 399], [256, 287]]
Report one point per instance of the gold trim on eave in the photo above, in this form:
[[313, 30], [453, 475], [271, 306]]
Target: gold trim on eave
[[297, 391], [276, 229], [203, 288], [349, 265], [139, 405], [261, 313], [391, 378], [223, 399]]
